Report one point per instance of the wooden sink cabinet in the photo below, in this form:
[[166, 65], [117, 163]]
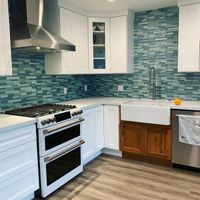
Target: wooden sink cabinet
[[146, 142]]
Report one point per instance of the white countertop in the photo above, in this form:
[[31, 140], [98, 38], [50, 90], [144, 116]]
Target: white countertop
[[8, 122], [86, 103]]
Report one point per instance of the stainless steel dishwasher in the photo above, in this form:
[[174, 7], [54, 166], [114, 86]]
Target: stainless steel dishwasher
[[184, 154]]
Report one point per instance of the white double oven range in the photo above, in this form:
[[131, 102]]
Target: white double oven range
[[59, 143]]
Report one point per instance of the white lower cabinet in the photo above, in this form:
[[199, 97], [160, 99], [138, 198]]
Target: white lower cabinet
[[98, 124], [92, 133], [100, 131], [20, 185], [87, 130], [18, 163], [111, 127]]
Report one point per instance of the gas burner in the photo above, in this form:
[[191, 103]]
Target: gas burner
[[41, 110]]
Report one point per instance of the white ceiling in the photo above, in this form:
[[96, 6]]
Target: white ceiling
[[119, 5]]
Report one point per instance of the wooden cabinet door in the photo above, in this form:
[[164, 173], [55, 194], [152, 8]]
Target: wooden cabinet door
[[132, 138], [158, 142]]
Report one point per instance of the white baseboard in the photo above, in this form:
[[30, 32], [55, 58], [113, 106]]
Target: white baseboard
[[104, 151], [92, 157], [112, 152]]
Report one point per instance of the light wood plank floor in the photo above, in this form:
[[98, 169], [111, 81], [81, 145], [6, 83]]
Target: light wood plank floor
[[111, 178]]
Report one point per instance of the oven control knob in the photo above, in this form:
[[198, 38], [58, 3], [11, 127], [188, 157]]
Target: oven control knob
[[48, 121], [73, 114], [53, 119], [43, 122]]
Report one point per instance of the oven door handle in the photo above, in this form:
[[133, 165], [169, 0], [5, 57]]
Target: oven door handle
[[49, 159], [62, 126]]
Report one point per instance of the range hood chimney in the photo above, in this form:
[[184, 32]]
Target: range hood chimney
[[27, 31]]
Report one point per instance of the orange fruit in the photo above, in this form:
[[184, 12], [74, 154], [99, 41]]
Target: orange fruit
[[177, 101]]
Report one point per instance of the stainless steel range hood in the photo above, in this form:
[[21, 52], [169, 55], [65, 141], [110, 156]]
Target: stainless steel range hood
[[27, 31]]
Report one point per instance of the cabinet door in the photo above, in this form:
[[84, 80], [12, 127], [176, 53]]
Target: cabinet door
[[87, 131], [73, 28], [189, 38], [121, 44], [111, 127], [5, 50], [16, 137], [99, 131], [158, 143], [17, 160], [20, 185], [99, 45], [132, 138]]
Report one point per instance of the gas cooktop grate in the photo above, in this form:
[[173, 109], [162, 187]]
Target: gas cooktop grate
[[40, 110]]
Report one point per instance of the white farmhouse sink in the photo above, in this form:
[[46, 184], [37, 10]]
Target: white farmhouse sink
[[149, 111]]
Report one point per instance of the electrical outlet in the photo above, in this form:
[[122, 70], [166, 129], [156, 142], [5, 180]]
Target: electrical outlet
[[65, 90], [86, 88], [120, 88]]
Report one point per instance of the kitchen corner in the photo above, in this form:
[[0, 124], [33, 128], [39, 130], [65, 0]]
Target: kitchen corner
[[99, 100]]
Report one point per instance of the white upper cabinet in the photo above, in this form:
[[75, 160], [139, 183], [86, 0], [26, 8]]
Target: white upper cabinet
[[111, 44], [99, 45], [121, 44], [73, 28], [104, 43], [189, 38], [5, 49]]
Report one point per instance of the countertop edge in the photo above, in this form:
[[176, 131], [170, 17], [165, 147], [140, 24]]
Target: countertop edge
[[25, 121]]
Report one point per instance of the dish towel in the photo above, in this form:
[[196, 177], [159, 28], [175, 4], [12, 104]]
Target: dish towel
[[189, 129]]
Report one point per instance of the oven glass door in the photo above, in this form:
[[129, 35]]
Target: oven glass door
[[62, 165], [62, 136]]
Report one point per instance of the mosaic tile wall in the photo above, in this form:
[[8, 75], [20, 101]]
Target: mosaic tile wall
[[156, 45], [29, 85]]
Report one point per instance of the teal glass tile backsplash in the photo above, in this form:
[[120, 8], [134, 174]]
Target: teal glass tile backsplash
[[29, 85], [155, 45]]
